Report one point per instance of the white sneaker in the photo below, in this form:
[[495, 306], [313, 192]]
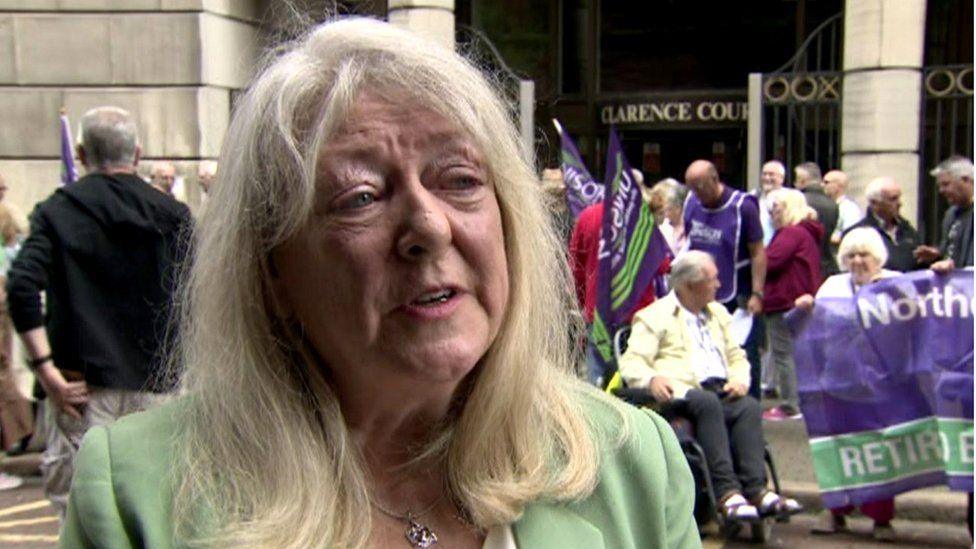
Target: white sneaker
[[9, 482]]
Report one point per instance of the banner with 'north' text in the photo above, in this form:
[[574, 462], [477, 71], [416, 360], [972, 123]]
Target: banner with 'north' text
[[886, 386]]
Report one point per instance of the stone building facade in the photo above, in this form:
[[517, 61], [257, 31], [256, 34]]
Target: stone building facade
[[174, 64]]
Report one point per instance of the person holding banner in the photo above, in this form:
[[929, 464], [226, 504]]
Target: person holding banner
[[954, 177], [862, 255], [585, 263]]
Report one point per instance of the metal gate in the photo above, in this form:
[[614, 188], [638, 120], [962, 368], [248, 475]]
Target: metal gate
[[946, 129], [799, 105]]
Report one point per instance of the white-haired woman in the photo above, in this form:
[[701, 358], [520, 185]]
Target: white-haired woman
[[792, 270], [373, 337], [862, 254]]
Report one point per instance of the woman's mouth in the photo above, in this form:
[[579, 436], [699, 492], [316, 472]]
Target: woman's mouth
[[433, 305], [434, 298]]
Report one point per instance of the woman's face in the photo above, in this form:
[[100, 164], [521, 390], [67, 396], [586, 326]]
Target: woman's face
[[401, 270], [863, 266], [674, 215]]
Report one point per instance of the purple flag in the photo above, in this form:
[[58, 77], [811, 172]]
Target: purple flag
[[68, 172], [630, 254], [581, 189], [886, 387]]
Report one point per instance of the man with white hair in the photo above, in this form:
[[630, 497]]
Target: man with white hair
[[163, 176], [682, 351], [206, 173], [103, 250], [898, 234], [954, 176], [771, 178]]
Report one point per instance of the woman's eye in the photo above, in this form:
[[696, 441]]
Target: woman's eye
[[460, 180], [464, 182], [358, 200]]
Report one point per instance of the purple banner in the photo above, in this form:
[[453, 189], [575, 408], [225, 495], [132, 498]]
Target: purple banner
[[886, 386], [581, 189], [68, 172], [631, 248]]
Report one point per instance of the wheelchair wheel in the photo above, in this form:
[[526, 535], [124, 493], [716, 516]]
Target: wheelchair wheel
[[762, 530], [731, 530]]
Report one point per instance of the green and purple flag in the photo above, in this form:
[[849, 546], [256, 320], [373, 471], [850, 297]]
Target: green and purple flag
[[581, 190], [631, 252], [68, 172], [886, 387]]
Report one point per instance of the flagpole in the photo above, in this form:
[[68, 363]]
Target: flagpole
[[559, 127], [69, 174]]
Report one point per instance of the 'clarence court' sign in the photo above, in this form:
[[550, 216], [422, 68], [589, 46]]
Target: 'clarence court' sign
[[671, 112]]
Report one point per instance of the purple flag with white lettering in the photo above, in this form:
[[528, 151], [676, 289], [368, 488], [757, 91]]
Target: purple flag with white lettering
[[581, 190], [68, 172], [886, 386], [632, 249]]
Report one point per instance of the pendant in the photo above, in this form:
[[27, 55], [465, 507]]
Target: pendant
[[420, 536]]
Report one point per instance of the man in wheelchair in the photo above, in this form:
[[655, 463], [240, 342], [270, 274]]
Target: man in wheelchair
[[682, 352]]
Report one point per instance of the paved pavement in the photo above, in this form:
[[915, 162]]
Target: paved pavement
[[27, 519], [796, 534]]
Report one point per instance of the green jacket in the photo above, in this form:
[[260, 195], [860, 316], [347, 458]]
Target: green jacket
[[121, 494]]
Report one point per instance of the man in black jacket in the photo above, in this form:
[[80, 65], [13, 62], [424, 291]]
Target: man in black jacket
[[103, 250], [899, 236], [809, 180], [954, 176]]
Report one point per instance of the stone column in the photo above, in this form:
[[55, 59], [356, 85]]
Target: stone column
[[172, 63], [432, 18], [883, 45]]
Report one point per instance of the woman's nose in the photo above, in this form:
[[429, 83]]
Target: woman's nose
[[425, 229]]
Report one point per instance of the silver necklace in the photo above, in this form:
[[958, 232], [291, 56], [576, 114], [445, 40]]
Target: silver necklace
[[419, 535]]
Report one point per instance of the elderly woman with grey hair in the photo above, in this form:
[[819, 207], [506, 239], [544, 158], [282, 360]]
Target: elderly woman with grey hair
[[372, 340], [667, 201], [862, 254]]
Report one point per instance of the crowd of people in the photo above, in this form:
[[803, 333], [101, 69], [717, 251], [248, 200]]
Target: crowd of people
[[764, 253]]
